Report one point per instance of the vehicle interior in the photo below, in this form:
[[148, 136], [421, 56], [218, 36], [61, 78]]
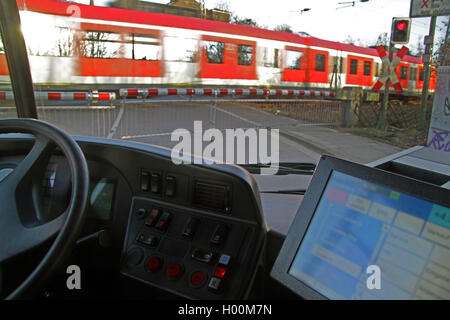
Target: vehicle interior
[[139, 226]]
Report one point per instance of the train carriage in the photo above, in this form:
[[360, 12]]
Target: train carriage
[[115, 48]]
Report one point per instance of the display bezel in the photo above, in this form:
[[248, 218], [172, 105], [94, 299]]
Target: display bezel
[[307, 209]]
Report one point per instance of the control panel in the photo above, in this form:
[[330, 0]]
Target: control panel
[[192, 253]]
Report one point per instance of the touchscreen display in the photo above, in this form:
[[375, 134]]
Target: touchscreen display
[[366, 241]]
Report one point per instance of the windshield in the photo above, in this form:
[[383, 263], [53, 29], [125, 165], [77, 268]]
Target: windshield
[[7, 105], [231, 83]]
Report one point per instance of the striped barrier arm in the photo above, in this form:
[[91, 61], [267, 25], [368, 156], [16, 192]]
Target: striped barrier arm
[[64, 96], [144, 93]]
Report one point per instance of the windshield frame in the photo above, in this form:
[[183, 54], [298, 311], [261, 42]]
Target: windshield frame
[[17, 59]]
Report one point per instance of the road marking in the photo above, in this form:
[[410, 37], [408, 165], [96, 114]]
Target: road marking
[[298, 146], [149, 135], [116, 123], [146, 135], [239, 117]]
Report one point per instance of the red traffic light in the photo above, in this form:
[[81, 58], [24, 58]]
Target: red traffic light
[[400, 30], [401, 25]]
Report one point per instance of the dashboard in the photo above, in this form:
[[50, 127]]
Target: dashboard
[[199, 232], [196, 231]]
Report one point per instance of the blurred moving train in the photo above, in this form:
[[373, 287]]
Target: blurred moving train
[[75, 46]]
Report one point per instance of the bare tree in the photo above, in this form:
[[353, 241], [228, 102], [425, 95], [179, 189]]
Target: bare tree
[[382, 40], [349, 40], [284, 28], [65, 43], [419, 48], [100, 45], [244, 21], [223, 5], [440, 54]]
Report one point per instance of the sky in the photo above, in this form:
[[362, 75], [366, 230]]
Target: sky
[[328, 19]]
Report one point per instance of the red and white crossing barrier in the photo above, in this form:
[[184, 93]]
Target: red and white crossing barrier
[[64, 96], [390, 69], [144, 93], [6, 95]]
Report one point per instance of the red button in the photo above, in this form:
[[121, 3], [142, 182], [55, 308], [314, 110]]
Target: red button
[[160, 224], [198, 278], [174, 270], [220, 272], [154, 263], [153, 217]]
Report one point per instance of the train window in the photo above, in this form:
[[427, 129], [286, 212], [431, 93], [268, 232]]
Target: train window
[[141, 47], [338, 62], [367, 68], [64, 43], [100, 44], [421, 75], [335, 64], [293, 59], [403, 72], [214, 51], [180, 49], [245, 55], [270, 57], [58, 40], [276, 58], [413, 74], [377, 69], [353, 66], [320, 62], [267, 57]]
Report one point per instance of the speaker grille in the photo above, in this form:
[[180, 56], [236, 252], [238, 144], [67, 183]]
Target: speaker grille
[[212, 196]]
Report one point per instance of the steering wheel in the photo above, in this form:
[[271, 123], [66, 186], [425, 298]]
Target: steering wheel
[[20, 225]]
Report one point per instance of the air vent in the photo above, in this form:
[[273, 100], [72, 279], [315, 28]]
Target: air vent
[[212, 196]]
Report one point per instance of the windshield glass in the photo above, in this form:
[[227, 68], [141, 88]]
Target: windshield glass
[[7, 105], [229, 82]]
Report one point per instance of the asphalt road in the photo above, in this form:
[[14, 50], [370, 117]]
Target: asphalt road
[[154, 123]]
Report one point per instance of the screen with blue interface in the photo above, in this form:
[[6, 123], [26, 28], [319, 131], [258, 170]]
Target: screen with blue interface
[[358, 225]]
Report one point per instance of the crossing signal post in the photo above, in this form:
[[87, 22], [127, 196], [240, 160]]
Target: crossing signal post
[[401, 28], [399, 35]]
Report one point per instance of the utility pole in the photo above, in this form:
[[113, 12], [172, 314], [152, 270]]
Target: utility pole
[[426, 71]]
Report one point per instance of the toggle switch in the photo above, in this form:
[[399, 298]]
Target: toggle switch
[[220, 234], [145, 181], [155, 183], [190, 227], [170, 186], [163, 221]]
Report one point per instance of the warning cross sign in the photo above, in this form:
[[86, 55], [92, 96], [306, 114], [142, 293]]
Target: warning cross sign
[[427, 8], [389, 68]]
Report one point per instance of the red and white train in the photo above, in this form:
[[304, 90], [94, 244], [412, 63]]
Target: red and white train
[[77, 46]]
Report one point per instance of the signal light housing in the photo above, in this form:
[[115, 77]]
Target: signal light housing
[[400, 30]]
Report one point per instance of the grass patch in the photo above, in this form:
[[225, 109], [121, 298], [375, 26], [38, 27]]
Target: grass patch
[[404, 138]]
